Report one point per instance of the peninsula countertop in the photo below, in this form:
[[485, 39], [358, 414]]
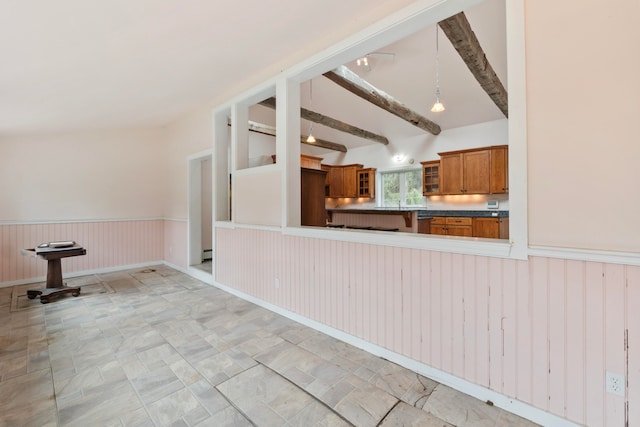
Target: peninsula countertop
[[423, 213]]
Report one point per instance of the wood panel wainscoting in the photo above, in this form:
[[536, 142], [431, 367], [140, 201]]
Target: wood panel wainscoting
[[542, 331], [108, 243]]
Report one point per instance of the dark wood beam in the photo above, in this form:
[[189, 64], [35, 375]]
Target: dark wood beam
[[349, 80], [464, 40], [312, 116], [270, 130]]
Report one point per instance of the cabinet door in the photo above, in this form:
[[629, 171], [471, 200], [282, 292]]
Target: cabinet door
[[451, 174], [336, 186], [476, 172], [499, 170], [438, 229], [430, 177], [424, 226], [486, 227], [350, 181], [366, 182], [460, 230]]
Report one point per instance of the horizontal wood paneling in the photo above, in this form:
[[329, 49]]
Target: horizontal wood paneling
[[542, 331], [108, 244]]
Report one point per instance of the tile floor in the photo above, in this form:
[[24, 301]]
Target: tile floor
[[155, 347]]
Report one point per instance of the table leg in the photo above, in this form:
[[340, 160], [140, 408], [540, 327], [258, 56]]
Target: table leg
[[54, 273]]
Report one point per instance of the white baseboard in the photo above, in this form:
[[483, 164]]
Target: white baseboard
[[84, 273]]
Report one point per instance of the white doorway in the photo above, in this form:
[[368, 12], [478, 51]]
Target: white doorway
[[200, 212]]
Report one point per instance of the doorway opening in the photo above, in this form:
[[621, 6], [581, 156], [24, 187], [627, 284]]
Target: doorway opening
[[200, 213]]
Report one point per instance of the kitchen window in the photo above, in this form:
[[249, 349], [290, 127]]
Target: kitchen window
[[401, 188]]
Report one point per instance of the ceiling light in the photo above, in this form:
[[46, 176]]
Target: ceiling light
[[311, 138], [437, 107], [362, 62]]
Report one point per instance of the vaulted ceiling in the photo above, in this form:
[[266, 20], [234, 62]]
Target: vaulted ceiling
[[76, 65]]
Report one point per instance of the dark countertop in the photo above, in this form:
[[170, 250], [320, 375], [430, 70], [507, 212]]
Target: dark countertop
[[374, 210], [425, 213]]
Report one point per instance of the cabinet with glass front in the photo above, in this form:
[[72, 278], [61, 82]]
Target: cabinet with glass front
[[430, 177]]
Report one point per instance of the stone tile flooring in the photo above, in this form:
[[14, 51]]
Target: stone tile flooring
[[155, 347]]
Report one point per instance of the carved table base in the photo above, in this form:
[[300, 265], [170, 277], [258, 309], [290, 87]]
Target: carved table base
[[47, 294]]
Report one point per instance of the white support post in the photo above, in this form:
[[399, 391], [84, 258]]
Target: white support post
[[220, 164], [288, 149], [239, 137]]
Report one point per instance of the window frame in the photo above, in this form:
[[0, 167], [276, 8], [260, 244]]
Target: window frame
[[402, 185]]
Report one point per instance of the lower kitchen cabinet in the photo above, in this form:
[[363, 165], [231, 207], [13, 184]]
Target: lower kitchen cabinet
[[424, 226], [492, 228], [452, 226]]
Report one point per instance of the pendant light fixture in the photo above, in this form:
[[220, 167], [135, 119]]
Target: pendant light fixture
[[437, 106], [311, 138]]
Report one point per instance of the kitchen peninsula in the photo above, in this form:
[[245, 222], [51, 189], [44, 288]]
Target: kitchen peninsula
[[382, 219], [467, 223]]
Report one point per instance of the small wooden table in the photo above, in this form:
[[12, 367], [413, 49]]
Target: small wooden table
[[55, 287]]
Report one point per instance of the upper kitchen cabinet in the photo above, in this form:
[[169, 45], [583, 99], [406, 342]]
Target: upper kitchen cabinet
[[499, 169], [343, 180], [465, 172], [366, 182], [430, 177], [310, 162], [474, 171]]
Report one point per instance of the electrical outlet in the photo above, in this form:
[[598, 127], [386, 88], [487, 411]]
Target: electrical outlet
[[277, 283], [615, 383]]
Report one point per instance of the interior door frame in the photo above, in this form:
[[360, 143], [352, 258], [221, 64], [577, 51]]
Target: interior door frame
[[194, 244]]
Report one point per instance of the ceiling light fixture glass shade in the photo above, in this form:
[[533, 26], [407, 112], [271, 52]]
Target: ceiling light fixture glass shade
[[437, 106], [362, 61], [311, 138]]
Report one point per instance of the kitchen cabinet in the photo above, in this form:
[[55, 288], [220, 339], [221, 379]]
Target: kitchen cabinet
[[499, 173], [424, 226], [452, 226], [312, 207], [366, 182], [310, 162], [343, 180], [493, 228], [465, 172], [306, 161], [430, 177]]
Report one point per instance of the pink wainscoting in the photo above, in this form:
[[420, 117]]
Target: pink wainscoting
[[543, 331], [175, 250], [108, 244]]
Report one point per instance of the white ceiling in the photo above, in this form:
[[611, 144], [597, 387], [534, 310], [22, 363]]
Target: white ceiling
[[76, 65]]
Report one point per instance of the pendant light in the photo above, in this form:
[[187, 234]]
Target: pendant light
[[310, 138], [437, 106]]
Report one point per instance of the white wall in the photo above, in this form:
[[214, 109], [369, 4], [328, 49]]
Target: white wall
[[420, 150], [583, 101], [84, 175], [192, 134]]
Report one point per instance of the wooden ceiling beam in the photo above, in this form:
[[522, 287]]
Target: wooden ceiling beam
[[350, 81], [314, 117], [270, 130], [459, 32]]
